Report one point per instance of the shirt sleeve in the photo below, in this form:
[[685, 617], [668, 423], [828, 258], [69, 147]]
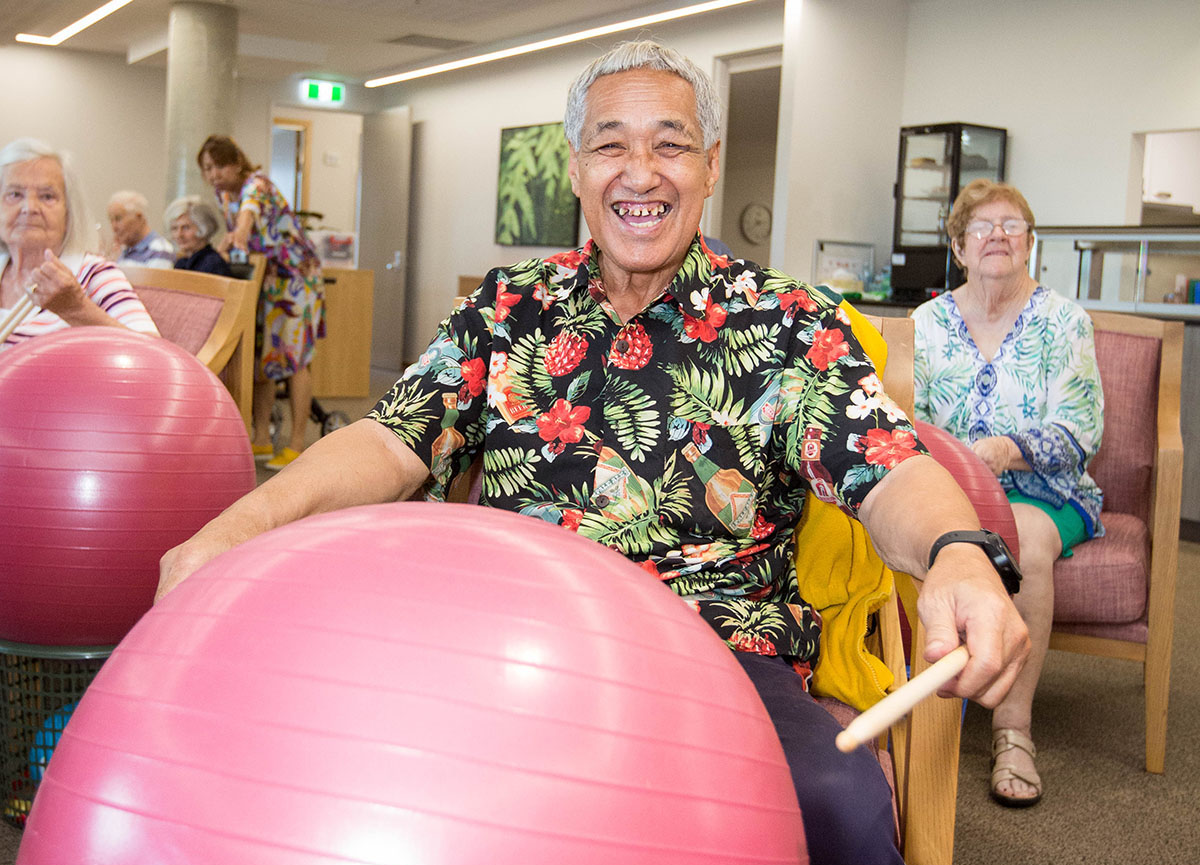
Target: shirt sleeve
[[844, 432], [437, 405], [1070, 431], [107, 286]]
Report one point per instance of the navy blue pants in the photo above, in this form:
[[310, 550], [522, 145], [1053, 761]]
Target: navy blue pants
[[844, 798]]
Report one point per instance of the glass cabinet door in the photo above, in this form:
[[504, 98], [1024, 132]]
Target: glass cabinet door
[[924, 188], [982, 155], [935, 163]]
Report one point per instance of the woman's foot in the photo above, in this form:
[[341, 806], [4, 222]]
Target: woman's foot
[[262, 452], [1015, 780], [283, 458]]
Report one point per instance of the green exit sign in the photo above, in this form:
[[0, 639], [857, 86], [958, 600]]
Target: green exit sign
[[322, 92]]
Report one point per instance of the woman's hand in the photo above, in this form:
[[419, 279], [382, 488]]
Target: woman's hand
[[55, 288], [999, 454]]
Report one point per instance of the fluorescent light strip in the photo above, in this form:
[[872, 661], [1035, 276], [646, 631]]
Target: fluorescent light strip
[[556, 41], [71, 29]]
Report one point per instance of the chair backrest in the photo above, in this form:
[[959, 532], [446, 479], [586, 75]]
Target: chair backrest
[[1128, 351], [899, 334], [210, 317], [200, 312]]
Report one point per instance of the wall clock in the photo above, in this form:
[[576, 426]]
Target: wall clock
[[756, 223]]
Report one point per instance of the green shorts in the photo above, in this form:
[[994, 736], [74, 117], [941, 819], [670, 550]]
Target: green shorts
[[1068, 521]]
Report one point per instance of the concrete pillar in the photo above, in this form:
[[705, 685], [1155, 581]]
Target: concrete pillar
[[202, 41]]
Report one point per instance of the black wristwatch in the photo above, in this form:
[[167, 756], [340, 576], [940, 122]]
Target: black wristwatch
[[997, 552]]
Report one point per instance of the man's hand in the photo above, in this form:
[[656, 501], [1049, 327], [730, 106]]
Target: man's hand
[[962, 594], [914, 504]]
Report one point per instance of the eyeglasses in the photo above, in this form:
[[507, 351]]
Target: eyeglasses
[[981, 228]]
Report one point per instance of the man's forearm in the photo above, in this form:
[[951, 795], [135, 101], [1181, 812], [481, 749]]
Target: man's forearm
[[916, 503], [363, 463]]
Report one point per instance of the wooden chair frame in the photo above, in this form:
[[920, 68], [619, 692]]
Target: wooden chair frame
[[925, 745], [229, 349], [1166, 489]]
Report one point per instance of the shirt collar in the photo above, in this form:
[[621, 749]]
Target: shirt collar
[[697, 270]]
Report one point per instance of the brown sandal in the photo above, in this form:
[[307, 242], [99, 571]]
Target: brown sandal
[[1005, 739]]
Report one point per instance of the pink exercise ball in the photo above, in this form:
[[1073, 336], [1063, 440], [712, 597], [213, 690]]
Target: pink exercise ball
[[114, 447], [976, 479], [418, 682]]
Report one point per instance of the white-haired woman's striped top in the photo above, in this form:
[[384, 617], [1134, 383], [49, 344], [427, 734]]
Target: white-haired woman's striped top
[[104, 284]]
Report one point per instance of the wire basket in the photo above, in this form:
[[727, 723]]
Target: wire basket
[[41, 686]]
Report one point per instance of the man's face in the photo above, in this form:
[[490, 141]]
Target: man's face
[[127, 227], [642, 172]]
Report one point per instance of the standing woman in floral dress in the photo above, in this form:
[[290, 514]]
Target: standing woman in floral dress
[[291, 305]]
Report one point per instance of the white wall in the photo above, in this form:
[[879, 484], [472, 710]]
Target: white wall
[[838, 127], [333, 166], [457, 118], [109, 116], [1072, 83]]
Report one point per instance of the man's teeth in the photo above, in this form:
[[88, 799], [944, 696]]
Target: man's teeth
[[640, 209]]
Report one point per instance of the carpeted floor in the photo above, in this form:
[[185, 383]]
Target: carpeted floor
[[1100, 806]]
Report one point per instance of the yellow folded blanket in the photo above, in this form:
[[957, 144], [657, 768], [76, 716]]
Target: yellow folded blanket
[[844, 579]]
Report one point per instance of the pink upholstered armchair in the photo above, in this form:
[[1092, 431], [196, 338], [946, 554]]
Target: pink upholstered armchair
[[1116, 596], [211, 317]]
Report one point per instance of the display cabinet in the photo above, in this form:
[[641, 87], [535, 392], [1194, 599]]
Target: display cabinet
[[935, 163]]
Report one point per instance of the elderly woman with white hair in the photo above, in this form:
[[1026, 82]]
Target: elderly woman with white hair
[[194, 223], [43, 258]]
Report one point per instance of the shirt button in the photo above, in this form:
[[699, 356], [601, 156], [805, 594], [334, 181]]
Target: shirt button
[[602, 501], [621, 345]]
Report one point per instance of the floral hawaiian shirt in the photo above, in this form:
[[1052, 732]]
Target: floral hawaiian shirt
[[685, 438]]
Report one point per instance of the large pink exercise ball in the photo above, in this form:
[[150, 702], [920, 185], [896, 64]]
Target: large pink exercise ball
[[976, 479], [424, 683], [114, 447]]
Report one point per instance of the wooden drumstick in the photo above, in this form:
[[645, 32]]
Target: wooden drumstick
[[900, 702], [22, 309]]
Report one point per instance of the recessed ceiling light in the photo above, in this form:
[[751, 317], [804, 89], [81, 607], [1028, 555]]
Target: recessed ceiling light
[[71, 29], [590, 33]]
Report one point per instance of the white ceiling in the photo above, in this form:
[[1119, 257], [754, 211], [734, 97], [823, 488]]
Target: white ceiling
[[348, 39]]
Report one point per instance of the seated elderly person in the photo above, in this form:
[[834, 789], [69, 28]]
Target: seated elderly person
[[1009, 367], [43, 237], [193, 225], [140, 244], [653, 397]]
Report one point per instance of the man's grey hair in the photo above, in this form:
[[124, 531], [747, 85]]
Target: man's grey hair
[[78, 236], [130, 202], [644, 55], [203, 215]]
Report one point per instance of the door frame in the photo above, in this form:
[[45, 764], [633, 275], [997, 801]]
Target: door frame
[[723, 67]]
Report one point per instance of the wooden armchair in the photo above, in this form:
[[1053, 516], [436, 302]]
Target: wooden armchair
[[211, 317], [1115, 597]]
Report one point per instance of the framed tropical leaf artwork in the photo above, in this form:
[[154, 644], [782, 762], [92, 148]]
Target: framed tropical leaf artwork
[[534, 202]]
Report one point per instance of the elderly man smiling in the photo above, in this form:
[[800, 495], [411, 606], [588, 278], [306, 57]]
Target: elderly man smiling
[[674, 405]]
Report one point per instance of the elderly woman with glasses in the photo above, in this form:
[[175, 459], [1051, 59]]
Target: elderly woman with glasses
[[1009, 367], [193, 225]]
